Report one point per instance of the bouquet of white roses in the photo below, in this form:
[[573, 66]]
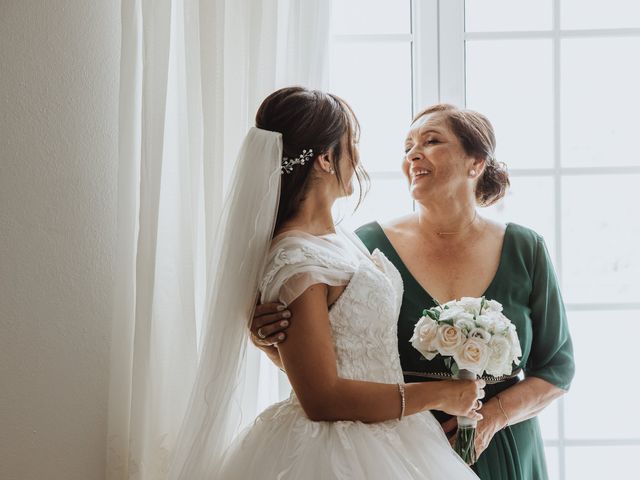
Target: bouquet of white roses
[[476, 338]]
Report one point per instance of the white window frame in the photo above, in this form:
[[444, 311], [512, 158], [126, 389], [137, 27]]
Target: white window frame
[[337, 39], [439, 33], [438, 75]]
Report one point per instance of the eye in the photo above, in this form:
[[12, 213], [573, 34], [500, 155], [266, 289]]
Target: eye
[[432, 141]]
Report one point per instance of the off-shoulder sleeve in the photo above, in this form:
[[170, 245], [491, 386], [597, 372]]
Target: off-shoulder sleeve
[[551, 356], [296, 263]]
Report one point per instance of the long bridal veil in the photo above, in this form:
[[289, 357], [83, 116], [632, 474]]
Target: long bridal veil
[[240, 247]]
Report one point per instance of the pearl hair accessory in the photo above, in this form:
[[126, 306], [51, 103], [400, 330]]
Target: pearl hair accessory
[[288, 163]]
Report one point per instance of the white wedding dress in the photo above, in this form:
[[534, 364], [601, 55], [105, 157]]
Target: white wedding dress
[[283, 443]]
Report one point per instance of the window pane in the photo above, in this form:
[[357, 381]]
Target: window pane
[[600, 100], [375, 79], [601, 234], [507, 15], [581, 14], [596, 463], [529, 202], [387, 199], [510, 82], [553, 467], [605, 358], [371, 16]]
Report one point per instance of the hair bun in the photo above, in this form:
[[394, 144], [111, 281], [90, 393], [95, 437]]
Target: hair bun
[[493, 183]]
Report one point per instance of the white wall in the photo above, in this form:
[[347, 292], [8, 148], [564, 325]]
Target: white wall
[[59, 63]]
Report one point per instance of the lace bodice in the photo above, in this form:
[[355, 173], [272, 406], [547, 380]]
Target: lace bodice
[[364, 318]]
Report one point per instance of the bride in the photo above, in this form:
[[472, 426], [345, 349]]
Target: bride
[[350, 415]]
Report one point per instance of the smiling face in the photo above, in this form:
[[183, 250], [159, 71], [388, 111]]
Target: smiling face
[[435, 163]]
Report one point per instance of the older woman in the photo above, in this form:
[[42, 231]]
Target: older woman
[[446, 250]]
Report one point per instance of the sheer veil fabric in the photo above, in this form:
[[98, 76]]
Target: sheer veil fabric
[[192, 75], [242, 241]]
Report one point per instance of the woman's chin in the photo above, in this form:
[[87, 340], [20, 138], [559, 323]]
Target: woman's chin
[[418, 192]]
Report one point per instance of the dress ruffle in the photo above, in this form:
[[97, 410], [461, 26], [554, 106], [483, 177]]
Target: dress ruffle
[[284, 444]]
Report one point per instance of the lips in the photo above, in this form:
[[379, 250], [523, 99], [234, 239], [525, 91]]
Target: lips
[[419, 173]]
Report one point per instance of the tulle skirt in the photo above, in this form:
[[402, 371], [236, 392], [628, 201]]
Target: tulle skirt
[[283, 444]]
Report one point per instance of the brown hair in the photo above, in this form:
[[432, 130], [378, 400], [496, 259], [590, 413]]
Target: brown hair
[[476, 135], [310, 119]]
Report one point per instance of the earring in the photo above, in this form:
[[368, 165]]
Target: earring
[[332, 171], [472, 173]]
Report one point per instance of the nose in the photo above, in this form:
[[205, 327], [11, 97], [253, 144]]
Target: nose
[[412, 155]]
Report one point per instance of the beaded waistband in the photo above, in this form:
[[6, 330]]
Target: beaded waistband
[[490, 379]]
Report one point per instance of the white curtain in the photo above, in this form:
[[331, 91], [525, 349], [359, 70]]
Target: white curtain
[[193, 73]]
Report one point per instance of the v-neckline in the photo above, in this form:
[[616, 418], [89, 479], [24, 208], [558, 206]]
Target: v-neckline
[[413, 279]]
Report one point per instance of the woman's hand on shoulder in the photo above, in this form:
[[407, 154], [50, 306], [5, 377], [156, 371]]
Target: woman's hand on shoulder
[[268, 329]]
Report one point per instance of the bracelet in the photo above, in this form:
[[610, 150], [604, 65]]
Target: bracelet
[[402, 400], [503, 412]]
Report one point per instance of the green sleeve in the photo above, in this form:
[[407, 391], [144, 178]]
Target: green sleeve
[[551, 356]]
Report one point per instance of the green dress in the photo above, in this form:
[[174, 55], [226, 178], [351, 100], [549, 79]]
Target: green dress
[[526, 285]]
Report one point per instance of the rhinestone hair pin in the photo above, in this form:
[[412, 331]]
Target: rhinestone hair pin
[[288, 163]]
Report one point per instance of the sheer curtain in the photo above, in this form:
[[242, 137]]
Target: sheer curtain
[[193, 73]]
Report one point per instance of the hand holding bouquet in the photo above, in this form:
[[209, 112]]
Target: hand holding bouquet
[[476, 338]]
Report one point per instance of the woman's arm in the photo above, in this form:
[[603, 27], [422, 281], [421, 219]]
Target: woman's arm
[[518, 403], [550, 366], [309, 360], [522, 401]]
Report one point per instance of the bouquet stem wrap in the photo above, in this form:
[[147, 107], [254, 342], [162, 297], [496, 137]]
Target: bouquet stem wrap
[[466, 437]]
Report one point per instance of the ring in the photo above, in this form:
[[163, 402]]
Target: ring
[[260, 334]]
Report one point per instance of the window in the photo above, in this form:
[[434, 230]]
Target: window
[[560, 81], [371, 69]]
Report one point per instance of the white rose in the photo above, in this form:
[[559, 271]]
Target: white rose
[[481, 334], [451, 313], [448, 339], [470, 304], [423, 338], [492, 306], [473, 356], [494, 322], [465, 322], [500, 356], [516, 350], [485, 321], [500, 325]]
